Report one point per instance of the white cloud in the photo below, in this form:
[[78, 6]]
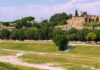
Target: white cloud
[[45, 11]]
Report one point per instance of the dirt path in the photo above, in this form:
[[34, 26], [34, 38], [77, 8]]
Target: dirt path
[[28, 41], [14, 60], [71, 44], [53, 54]]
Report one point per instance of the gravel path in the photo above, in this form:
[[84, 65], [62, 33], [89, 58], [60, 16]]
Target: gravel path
[[14, 60]]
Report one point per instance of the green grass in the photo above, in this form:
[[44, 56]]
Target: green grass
[[36, 58], [62, 61], [40, 47], [8, 66], [82, 55], [73, 66], [37, 47], [2, 52], [27, 68], [86, 50]]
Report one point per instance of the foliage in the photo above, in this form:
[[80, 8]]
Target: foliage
[[96, 24], [72, 34], [17, 35], [29, 18], [31, 33], [97, 32], [18, 24], [60, 40], [81, 34], [6, 23], [72, 30], [45, 31], [91, 36], [76, 13], [24, 22], [89, 24], [27, 28], [59, 19], [4, 34], [97, 19], [7, 66], [36, 24]]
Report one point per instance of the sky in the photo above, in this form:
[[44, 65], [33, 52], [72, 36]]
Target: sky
[[15, 9]]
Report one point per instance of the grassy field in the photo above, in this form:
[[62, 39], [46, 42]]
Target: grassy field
[[67, 61], [3, 52], [29, 47], [86, 50], [7, 66], [79, 58], [49, 48]]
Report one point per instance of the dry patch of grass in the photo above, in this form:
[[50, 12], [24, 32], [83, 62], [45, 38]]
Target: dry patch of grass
[[2, 52]]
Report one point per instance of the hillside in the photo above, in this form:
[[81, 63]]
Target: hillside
[[83, 20]]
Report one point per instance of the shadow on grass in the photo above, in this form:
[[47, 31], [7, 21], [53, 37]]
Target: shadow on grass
[[69, 48]]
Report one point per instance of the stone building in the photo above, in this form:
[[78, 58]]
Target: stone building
[[78, 22]]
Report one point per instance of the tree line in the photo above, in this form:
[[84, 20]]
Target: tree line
[[29, 29], [83, 34]]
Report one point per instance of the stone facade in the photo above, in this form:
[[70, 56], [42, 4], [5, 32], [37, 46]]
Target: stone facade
[[75, 22]]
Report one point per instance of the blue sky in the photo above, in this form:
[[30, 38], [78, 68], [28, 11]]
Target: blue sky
[[26, 2], [14, 9]]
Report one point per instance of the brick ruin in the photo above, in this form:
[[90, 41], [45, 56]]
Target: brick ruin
[[78, 21]]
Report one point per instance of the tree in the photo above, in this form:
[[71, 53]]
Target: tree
[[36, 25], [59, 19], [4, 34], [17, 35], [24, 22], [76, 13], [97, 32], [45, 30], [81, 34], [6, 23], [91, 36], [72, 30], [72, 34], [31, 33], [18, 24], [60, 40], [97, 19], [86, 20]]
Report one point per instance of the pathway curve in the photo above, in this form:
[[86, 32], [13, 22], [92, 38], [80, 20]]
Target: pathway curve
[[14, 60]]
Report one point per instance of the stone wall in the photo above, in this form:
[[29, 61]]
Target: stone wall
[[75, 20]]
